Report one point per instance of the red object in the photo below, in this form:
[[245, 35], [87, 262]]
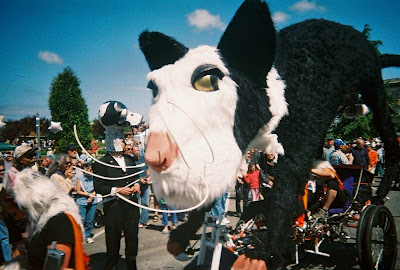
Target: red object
[[252, 178]]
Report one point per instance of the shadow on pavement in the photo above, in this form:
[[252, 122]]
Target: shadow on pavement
[[98, 261]]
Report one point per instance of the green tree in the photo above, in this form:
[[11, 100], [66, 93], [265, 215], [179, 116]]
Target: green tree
[[68, 107], [98, 130], [349, 129], [394, 105]]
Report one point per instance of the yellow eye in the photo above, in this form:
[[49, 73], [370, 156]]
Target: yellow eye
[[206, 83], [206, 78]]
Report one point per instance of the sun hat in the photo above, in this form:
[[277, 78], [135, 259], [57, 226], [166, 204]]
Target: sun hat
[[23, 150]]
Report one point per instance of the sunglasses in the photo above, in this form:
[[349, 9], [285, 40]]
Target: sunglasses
[[29, 156], [68, 163], [129, 149], [2, 170]]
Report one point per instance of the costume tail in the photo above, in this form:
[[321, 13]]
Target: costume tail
[[390, 60]]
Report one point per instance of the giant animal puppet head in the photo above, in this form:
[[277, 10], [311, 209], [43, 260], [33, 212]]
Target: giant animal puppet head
[[114, 116], [210, 105]]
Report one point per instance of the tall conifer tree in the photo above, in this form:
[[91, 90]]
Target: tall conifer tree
[[69, 107]]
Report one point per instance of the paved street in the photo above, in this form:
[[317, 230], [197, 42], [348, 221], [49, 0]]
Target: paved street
[[153, 253]]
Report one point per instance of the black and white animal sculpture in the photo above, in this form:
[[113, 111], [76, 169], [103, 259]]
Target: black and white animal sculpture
[[114, 116], [257, 88]]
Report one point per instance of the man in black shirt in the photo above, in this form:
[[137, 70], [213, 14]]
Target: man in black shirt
[[360, 154]]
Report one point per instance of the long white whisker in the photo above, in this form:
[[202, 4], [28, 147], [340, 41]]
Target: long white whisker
[[142, 206], [109, 178], [168, 211], [110, 194], [170, 133], [198, 128], [105, 164]]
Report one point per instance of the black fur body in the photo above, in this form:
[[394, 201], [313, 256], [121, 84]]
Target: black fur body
[[325, 66]]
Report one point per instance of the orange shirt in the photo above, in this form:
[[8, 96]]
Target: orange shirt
[[373, 158]]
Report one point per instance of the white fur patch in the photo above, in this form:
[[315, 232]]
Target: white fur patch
[[265, 140], [42, 199], [201, 124]]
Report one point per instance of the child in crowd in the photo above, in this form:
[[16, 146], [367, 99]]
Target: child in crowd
[[87, 202], [253, 179]]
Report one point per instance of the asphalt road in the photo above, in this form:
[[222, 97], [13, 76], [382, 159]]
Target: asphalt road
[[153, 253]]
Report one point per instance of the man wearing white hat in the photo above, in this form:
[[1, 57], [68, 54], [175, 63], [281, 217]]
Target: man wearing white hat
[[24, 157]]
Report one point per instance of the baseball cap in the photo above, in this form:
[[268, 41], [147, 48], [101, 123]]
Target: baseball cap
[[23, 150], [339, 142]]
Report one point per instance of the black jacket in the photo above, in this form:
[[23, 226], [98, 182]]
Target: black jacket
[[103, 186]]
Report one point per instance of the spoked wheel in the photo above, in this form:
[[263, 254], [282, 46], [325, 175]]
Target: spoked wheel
[[360, 239], [380, 239]]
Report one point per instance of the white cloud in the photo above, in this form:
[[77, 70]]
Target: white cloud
[[203, 20], [280, 17], [304, 6], [50, 57]]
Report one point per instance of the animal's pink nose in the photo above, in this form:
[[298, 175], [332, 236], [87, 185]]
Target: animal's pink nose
[[161, 151]]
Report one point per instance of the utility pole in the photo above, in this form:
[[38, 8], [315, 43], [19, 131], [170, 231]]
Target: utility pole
[[38, 137]]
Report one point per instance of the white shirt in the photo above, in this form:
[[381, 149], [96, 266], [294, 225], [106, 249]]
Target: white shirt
[[121, 162]]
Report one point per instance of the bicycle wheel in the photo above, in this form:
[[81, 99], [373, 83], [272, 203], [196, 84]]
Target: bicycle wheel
[[380, 248], [360, 240]]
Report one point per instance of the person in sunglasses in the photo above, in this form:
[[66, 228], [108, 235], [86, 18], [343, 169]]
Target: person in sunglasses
[[24, 157], [60, 171]]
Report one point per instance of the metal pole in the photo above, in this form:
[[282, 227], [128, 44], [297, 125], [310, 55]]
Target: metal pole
[[38, 136]]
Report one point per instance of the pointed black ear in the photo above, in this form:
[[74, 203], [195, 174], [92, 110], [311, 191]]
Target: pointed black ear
[[160, 50], [248, 44]]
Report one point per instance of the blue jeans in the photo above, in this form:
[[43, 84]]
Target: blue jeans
[[4, 242], [218, 207], [144, 200], [87, 215], [174, 219]]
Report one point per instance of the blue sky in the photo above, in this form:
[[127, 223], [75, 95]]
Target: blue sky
[[99, 41]]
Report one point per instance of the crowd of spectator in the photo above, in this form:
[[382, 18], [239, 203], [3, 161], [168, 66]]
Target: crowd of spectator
[[72, 174], [255, 178], [365, 152], [256, 174]]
